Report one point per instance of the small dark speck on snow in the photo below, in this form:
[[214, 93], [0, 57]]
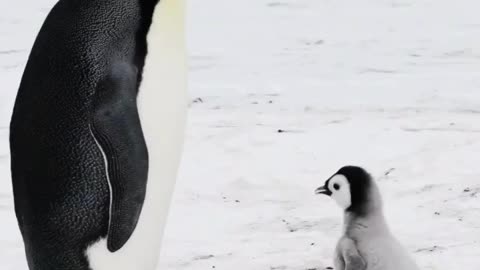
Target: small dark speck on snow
[[198, 100], [430, 249], [389, 171], [289, 131], [204, 257]]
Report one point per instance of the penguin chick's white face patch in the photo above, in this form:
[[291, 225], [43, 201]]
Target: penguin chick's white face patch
[[340, 189]]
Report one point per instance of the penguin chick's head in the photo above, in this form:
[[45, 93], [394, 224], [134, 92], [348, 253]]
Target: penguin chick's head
[[351, 188]]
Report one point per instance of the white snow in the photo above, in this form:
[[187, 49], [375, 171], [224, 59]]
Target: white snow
[[392, 85]]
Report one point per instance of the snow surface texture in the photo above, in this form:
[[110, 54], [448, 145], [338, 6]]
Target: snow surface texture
[[392, 85]]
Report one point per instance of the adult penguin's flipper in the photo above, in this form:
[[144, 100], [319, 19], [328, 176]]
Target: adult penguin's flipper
[[117, 131]]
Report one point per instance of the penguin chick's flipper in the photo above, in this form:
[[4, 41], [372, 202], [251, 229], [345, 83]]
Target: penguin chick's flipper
[[117, 130], [348, 257]]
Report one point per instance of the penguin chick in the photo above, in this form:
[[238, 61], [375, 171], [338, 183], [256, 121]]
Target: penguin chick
[[367, 243]]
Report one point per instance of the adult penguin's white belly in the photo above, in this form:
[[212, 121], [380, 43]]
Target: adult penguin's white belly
[[162, 104]]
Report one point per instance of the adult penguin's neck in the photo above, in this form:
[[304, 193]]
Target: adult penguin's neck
[[165, 62], [168, 24]]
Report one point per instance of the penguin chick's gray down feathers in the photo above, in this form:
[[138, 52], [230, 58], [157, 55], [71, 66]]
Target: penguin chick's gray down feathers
[[367, 243]]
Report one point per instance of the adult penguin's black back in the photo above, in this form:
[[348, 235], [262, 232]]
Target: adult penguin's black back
[[96, 134]]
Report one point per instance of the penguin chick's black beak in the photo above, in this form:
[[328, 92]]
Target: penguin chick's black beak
[[323, 190]]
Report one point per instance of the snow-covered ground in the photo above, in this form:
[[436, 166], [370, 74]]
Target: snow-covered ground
[[393, 85]]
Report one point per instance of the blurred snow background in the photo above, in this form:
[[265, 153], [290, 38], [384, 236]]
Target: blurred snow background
[[392, 85]]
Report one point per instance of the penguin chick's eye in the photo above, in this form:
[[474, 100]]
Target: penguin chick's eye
[[336, 186]]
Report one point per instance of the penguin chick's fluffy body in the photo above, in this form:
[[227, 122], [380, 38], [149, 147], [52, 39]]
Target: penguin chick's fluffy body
[[367, 243]]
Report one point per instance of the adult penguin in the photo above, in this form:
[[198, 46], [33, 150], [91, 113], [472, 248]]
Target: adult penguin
[[97, 132]]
